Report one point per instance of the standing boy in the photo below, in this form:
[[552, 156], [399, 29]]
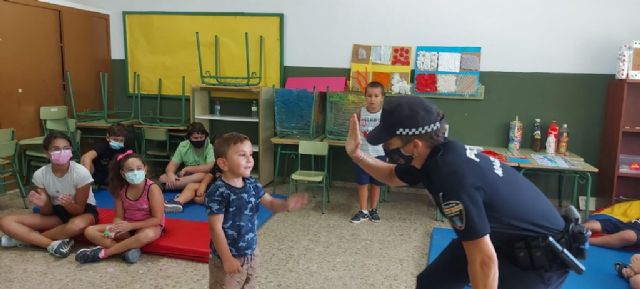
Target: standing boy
[[232, 205]]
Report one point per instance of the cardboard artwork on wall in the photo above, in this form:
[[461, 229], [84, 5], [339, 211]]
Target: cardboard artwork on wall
[[449, 72], [380, 63]]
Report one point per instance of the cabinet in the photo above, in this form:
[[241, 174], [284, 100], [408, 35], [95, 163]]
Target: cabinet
[[235, 115], [620, 144]]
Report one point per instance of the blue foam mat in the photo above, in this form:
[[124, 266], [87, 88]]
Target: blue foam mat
[[599, 263], [191, 211]]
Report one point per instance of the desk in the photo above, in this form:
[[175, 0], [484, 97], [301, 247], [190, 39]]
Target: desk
[[278, 143], [580, 170]]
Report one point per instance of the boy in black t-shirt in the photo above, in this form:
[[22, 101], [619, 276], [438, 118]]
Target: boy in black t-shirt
[[97, 160]]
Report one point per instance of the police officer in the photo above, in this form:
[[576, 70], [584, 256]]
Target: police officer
[[492, 208]]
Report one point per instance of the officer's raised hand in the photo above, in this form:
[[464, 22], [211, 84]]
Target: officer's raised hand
[[352, 145]]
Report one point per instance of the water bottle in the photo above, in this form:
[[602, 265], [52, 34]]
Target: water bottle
[[216, 108], [254, 109], [537, 136], [551, 144], [553, 130], [563, 140]]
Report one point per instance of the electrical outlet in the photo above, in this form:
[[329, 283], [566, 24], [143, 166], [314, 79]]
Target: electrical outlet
[[592, 203]]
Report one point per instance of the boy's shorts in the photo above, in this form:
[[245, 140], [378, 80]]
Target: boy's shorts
[[246, 279], [64, 215], [363, 178], [613, 225]]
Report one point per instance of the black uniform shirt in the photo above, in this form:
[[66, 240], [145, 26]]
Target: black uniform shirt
[[480, 196]]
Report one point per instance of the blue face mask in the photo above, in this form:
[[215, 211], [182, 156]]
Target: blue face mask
[[134, 177], [115, 145]]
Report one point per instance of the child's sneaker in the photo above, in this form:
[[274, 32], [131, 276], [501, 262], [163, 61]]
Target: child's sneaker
[[88, 255], [359, 217], [373, 216], [173, 207], [60, 248], [131, 256], [7, 242]]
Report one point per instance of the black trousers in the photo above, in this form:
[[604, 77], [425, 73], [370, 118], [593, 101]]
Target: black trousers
[[449, 271]]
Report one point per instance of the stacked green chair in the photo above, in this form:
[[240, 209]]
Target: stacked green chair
[[9, 167]]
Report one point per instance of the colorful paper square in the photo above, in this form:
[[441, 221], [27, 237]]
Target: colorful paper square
[[384, 78], [361, 54], [425, 82], [401, 56], [467, 84], [446, 83], [470, 62], [449, 62]]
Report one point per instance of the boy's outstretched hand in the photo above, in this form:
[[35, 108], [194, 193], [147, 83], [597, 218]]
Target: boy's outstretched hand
[[297, 201]]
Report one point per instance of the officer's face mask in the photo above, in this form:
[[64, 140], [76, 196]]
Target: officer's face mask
[[398, 156]]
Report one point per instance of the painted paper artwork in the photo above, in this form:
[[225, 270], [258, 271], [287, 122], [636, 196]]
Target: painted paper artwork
[[442, 71], [384, 62]]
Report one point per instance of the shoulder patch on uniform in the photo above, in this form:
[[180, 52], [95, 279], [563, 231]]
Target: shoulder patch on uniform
[[454, 211]]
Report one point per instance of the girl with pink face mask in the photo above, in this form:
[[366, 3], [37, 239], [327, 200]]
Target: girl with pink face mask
[[63, 195]]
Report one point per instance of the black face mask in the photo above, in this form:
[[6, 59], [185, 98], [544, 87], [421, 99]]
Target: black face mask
[[396, 156], [197, 143]]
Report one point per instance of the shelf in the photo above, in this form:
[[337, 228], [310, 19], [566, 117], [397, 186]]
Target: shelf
[[629, 175], [227, 117], [631, 129]]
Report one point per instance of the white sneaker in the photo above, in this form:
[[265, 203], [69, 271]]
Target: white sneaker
[[7, 242], [60, 248]]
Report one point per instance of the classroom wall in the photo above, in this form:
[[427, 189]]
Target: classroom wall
[[576, 99], [541, 59], [572, 36]]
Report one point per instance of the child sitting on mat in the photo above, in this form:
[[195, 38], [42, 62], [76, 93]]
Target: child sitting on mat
[[630, 271], [196, 153], [63, 194], [98, 159], [139, 215], [369, 118], [232, 205]]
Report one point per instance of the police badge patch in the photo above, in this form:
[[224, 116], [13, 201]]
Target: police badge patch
[[454, 211]]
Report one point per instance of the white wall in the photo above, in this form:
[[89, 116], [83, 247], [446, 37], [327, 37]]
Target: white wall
[[567, 36]]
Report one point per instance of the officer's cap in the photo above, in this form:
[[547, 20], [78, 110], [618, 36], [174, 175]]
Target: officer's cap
[[405, 115]]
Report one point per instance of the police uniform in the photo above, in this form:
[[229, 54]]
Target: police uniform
[[480, 196]]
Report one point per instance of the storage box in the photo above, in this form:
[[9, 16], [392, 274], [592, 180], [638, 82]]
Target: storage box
[[630, 164], [299, 113], [340, 107]]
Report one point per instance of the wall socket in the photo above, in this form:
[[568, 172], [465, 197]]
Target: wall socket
[[592, 203]]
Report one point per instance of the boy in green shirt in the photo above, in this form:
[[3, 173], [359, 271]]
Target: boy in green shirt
[[195, 155]]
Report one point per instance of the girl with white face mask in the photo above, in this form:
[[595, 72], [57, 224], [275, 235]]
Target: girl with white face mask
[[139, 217], [63, 195]]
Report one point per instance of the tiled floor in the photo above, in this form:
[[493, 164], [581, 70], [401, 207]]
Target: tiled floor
[[297, 250]]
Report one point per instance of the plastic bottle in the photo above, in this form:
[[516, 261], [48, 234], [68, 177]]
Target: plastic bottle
[[553, 130], [551, 144], [563, 141], [536, 145], [216, 108], [515, 135], [254, 109]]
